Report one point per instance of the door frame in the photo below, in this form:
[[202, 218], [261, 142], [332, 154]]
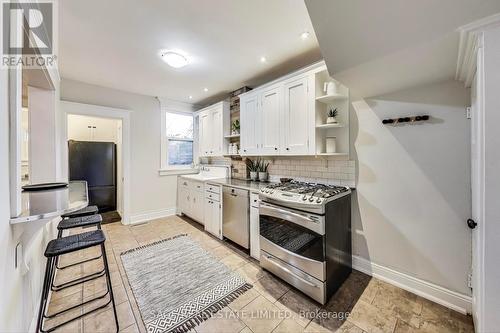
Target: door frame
[[98, 111]]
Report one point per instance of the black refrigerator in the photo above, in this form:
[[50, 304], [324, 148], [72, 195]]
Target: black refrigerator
[[95, 162]]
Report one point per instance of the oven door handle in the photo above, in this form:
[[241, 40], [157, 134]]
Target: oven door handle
[[282, 213], [275, 262], [316, 226]]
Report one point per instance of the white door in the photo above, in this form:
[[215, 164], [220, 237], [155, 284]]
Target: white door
[[207, 213], [205, 134], [271, 105], [477, 186], [184, 202], [217, 134], [296, 116], [249, 131], [197, 206]]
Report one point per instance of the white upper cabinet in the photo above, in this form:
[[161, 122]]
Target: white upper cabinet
[[289, 116], [271, 101], [214, 124], [296, 118], [249, 133]]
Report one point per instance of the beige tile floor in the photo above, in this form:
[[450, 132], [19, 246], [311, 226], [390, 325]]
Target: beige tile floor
[[270, 306]]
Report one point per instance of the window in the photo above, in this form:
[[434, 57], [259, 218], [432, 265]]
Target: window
[[179, 140]]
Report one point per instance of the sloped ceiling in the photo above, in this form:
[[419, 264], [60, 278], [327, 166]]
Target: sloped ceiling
[[376, 47]]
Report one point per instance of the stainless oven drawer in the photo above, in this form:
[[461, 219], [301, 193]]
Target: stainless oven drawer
[[312, 267], [300, 280]]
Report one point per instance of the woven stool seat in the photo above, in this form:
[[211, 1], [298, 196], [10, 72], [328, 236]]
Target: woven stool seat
[[89, 210], [82, 221], [63, 245]]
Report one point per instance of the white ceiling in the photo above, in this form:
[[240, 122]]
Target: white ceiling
[[115, 43], [376, 47]]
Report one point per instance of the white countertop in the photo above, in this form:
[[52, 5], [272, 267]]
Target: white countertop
[[250, 185]]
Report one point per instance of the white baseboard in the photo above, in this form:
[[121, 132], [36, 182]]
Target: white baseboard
[[448, 298], [151, 215]]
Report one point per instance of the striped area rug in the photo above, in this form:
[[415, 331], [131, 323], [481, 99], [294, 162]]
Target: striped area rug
[[177, 284]]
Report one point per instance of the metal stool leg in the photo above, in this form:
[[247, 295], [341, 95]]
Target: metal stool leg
[[108, 280], [45, 293], [59, 235]]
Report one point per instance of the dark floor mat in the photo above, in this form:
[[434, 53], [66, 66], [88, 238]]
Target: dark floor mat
[[110, 217]]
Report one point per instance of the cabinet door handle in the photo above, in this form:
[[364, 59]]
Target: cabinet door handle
[[288, 149], [275, 148]]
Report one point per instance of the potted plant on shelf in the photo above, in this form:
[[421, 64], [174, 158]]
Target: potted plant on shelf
[[263, 174], [332, 116], [235, 126], [253, 169]]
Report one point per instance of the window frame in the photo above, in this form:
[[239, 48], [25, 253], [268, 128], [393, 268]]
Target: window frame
[[165, 168]]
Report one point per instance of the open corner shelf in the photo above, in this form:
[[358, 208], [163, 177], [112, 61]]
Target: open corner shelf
[[326, 126], [329, 98], [232, 136]]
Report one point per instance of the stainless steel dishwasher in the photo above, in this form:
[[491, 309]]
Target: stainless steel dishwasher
[[235, 215]]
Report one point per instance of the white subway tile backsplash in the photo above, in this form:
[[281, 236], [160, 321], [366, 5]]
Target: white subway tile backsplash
[[309, 169]]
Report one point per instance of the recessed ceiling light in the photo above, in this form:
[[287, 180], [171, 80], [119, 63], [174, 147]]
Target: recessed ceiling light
[[174, 59], [190, 97], [205, 89], [263, 59], [305, 35]]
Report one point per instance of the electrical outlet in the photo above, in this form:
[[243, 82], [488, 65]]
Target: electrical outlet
[[468, 112], [469, 280]]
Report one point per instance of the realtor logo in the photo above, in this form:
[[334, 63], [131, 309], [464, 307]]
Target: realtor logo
[[27, 33]]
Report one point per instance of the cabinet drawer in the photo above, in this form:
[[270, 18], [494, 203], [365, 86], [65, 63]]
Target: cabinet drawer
[[212, 188], [254, 200], [212, 196]]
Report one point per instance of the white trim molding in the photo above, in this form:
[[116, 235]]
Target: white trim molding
[[69, 107], [468, 46], [152, 215], [440, 295]]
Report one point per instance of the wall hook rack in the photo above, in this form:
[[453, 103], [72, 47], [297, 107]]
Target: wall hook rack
[[410, 119]]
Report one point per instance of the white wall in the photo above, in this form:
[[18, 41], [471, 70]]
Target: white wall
[[413, 184], [150, 192], [491, 305], [20, 288]]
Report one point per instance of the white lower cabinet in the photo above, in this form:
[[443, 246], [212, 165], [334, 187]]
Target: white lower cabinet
[[254, 226], [213, 217], [190, 199], [213, 210]]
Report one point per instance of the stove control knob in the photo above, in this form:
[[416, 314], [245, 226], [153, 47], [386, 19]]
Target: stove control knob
[[271, 192], [311, 199], [304, 197], [318, 200]]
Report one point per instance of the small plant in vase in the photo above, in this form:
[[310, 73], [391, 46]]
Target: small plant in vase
[[235, 127], [332, 116], [263, 174], [253, 168]]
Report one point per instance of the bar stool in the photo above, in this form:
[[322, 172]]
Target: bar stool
[[65, 245], [85, 217], [89, 210]]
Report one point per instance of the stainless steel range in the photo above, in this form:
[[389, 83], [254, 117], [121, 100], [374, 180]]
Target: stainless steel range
[[305, 236]]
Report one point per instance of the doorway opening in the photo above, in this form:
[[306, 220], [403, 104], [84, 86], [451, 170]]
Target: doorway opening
[[95, 155]]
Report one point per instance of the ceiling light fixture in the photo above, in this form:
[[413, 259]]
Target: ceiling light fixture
[[263, 59], [174, 59], [305, 35], [205, 89], [190, 97]]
